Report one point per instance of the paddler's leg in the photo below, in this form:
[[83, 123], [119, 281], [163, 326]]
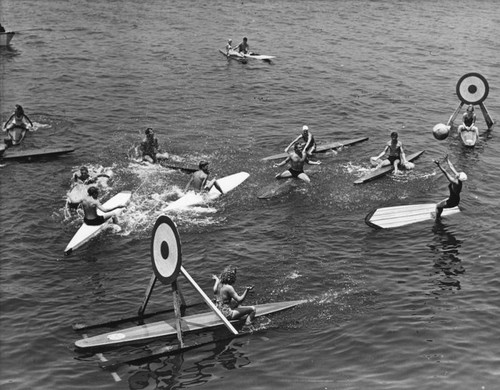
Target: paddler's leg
[[283, 175], [304, 177]]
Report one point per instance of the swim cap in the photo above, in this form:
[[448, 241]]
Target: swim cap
[[203, 164], [304, 128], [394, 134], [462, 176]]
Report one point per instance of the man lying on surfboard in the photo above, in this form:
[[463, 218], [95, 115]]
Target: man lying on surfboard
[[297, 159], [455, 187], [228, 301], [199, 180], [396, 155], [90, 205]]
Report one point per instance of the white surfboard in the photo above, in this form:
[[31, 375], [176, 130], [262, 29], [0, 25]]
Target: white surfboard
[[391, 217], [192, 198], [87, 232], [468, 137]]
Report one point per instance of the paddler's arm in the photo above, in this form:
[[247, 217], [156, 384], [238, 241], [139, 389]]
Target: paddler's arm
[[281, 163], [218, 186], [292, 143], [189, 183], [383, 153], [403, 155], [106, 210], [29, 120], [8, 120], [216, 283], [448, 176], [240, 298]]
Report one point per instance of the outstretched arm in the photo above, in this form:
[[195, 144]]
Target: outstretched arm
[[216, 283], [292, 143], [8, 120], [448, 176], [240, 298], [29, 120], [452, 167], [281, 163], [383, 152]]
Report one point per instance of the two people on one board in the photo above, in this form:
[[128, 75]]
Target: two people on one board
[[455, 186], [91, 204], [199, 180], [396, 155], [228, 301], [469, 121], [149, 149], [16, 127], [243, 47]]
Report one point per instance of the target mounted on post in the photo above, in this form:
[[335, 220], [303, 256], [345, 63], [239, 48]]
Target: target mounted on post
[[166, 253], [472, 88]]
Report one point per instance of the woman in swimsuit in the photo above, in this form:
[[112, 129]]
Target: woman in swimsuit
[[17, 126], [455, 187], [469, 120], [228, 301]]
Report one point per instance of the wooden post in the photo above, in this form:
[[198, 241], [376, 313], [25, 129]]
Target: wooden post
[[149, 291], [486, 115], [177, 309], [208, 301], [454, 115]]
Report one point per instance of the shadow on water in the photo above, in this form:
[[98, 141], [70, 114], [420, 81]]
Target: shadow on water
[[448, 262]]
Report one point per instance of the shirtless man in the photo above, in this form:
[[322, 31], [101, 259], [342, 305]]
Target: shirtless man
[[90, 205], [150, 148], [310, 146], [17, 126], [84, 177], [244, 47], [297, 160], [200, 181], [396, 155], [228, 301]]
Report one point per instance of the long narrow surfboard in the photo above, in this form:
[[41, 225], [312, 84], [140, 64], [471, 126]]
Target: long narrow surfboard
[[86, 232], [192, 198], [179, 165], [321, 148], [382, 171], [234, 56], [396, 216], [256, 56], [159, 329], [11, 154]]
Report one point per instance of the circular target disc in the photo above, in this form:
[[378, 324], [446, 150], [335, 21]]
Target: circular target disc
[[472, 88], [166, 253]]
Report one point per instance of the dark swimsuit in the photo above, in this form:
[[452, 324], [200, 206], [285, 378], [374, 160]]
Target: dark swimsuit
[[95, 222], [225, 309], [312, 145], [294, 172], [454, 198], [468, 121]]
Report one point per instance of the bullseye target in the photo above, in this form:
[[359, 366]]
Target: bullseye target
[[166, 253], [472, 88]]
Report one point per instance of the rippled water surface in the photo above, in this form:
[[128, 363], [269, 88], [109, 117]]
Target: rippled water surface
[[408, 308]]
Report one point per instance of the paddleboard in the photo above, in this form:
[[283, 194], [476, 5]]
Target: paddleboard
[[468, 137], [192, 198], [234, 55], [87, 232], [320, 148], [382, 171], [179, 165], [11, 154], [391, 217], [256, 56], [165, 328]]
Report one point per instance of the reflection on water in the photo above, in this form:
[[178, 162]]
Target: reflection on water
[[447, 262]]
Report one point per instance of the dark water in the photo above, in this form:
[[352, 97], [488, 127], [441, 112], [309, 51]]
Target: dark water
[[408, 308]]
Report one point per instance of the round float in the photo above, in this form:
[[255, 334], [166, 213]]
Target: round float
[[472, 88], [166, 255]]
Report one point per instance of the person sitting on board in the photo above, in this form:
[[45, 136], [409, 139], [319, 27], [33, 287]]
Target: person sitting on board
[[229, 46], [83, 177], [199, 180], [297, 159], [90, 205], [469, 119], [228, 301], [455, 178], [307, 137], [396, 155], [2, 29], [17, 126], [244, 47], [150, 148]]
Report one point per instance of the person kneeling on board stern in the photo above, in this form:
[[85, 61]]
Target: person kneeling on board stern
[[200, 181], [17, 126], [455, 187], [228, 301], [469, 120], [307, 137], [90, 204]]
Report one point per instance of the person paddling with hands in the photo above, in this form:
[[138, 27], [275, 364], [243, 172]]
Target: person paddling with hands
[[455, 186], [244, 47], [228, 301], [199, 181], [90, 206], [17, 126], [296, 159]]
